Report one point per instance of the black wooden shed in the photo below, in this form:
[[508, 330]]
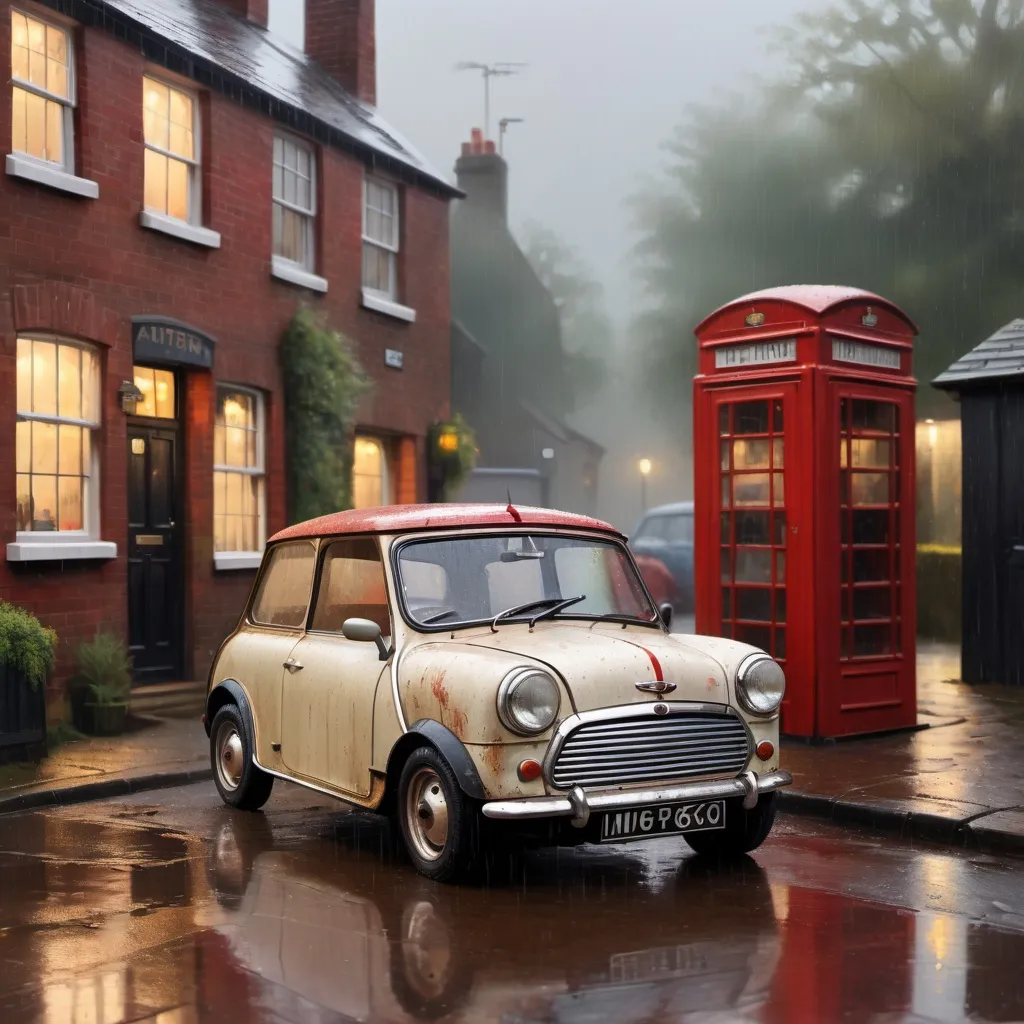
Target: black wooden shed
[[989, 381]]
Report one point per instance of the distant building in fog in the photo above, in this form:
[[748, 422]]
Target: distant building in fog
[[509, 375]]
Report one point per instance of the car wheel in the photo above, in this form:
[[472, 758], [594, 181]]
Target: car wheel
[[440, 825], [240, 783], [744, 830]]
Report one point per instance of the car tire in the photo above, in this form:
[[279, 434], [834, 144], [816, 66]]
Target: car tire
[[744, 830], [240, 783], [440, 825]]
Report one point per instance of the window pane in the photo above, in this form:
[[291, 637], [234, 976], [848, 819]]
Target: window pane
[[145, 382], [44, 447], [283, 594], [23, 445], [218, 445], [778, 453], [181, 142], [181, 112], [869, 452], [870, 640], [870, 488], [69, 380], [278, 180], [19, 121], [24, 498], [756, 636], [25, 375], [90, 386], [56, 64], [70, 503], [750, 454], [44, 503], [177, 189], [56, 44], [69, 450], [751, 489], [164, 393], [156, 182], [754, 603], [368, 469], [19, 45], [752, 528], [155, 104], [35, 114], [44, 378], [750, 418], [753, 566], [37, 52], [779, 490], [86, 453], [235, 447], [872, 603], [54, 132], [869, 415]]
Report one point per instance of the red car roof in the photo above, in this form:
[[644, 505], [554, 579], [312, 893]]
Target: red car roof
[[403, 518]]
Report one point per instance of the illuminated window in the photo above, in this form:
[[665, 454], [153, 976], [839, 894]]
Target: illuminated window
[[157, 387], [294, 202], [172, 151], [370, 485], [58, 411], [380, 238], [43, 91], [238, 474]]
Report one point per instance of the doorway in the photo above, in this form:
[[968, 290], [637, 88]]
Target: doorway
[[155, 591]]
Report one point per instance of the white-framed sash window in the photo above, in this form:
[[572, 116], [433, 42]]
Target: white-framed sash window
[[239, 476], [294, 202], [380, 238], [172, 162]]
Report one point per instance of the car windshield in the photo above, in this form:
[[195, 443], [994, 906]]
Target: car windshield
[[467, 579]]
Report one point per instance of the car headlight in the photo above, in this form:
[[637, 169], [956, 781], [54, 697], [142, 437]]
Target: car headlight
[[760, 684], [528, 701]]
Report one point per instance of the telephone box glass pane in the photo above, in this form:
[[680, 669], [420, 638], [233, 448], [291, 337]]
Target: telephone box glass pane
[[750, 418], [751, 489], [756, 636], [752, 528], [750, 454], [780, 644], [754, 565]]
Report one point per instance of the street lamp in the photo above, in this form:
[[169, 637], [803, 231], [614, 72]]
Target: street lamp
[[644, 465]]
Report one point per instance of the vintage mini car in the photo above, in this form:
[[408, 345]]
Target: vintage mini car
[[468, 668]]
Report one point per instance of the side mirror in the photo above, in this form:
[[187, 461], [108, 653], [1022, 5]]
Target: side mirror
[[666, 614], [367, 632]]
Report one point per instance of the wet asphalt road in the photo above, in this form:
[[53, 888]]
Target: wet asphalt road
[[169, 908]]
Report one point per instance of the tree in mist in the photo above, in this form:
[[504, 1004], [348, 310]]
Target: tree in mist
[[587, 333], [886, 161]]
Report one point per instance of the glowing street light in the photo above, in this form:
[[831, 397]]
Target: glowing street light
[[644, 465]]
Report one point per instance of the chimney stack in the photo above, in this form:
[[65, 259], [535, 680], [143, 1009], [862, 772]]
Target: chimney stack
[[340, 37], [483, 175], [254, 10]]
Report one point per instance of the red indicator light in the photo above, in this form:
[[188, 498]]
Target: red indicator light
[[529, 770], [765, 749]]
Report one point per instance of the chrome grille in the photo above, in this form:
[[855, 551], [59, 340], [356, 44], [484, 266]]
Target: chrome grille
[[685, 745]]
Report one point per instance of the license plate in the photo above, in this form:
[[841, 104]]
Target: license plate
[[663, 820]]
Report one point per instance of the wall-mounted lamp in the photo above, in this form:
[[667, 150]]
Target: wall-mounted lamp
[[448, 441], [131, 395]]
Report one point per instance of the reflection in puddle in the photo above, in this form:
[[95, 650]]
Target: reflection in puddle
[[107, 923]]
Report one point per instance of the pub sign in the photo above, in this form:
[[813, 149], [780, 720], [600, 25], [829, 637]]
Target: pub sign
[[161, 339]]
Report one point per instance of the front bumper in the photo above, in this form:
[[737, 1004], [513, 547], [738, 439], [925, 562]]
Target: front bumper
[[579, 804]]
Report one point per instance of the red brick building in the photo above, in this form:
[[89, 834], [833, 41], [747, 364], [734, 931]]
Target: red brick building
[[178, 183]]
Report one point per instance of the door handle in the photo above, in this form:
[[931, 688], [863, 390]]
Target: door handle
[[292, 665]]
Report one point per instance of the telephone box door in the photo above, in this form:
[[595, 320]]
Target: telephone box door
[[755, 540], [873, 643]]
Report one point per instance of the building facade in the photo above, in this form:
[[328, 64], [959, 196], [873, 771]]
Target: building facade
[[178, 184], [509, 371]]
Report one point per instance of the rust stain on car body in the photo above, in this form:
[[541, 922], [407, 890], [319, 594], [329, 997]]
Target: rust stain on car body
[[492, 758]]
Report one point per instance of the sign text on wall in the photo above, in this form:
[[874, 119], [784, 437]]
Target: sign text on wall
[[160, 339], [846, 351], [781, 350]]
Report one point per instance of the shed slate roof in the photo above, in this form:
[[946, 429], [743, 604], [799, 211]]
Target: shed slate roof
[[998, 357], [226, 42]]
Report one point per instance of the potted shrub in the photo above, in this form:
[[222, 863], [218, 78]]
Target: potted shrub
[[27, 652], [102, 686]]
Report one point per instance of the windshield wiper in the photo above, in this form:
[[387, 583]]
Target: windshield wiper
[[518, 609], [555, 609], [438, 616], [619, 617]]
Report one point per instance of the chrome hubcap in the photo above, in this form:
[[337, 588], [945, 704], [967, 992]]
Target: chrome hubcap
[[426, 813], [229, 756]]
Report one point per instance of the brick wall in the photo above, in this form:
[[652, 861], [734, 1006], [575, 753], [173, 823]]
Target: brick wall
[[83, 267]]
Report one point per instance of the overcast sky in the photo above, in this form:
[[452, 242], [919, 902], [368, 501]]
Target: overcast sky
[[606, 83]]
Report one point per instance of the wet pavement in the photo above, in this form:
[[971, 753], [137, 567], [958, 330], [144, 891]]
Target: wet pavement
[[171, 909]]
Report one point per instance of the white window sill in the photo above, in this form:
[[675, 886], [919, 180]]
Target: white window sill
[[179, 229], [60, 551], [237, 559], [285, 270], [371, 300], [19, 166]]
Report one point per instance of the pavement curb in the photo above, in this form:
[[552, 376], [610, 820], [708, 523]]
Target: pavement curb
[[904, 822], [101, 789]]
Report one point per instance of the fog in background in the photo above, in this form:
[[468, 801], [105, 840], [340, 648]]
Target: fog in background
[[607, 83]]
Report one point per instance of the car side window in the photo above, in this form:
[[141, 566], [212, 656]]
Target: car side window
[[352, 586], [652, 529], [282, 598], [680, 529]]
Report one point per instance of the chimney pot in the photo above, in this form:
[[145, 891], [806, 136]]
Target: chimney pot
[[253, 10], [477, 139], [467, 149], [483, 175], [489, 146], [340, 37]]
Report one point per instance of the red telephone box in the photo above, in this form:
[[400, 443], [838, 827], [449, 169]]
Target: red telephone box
[[804, 499]]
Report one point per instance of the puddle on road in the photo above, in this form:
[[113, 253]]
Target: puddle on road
[[107, 922]]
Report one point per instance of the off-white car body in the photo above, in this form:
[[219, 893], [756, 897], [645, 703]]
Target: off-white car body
[[338, 722]]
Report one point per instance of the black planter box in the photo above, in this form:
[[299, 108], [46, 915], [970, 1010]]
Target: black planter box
[[22, 718]]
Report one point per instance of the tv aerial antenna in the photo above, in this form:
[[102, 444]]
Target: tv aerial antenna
[[503, 127], [499, 69]]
